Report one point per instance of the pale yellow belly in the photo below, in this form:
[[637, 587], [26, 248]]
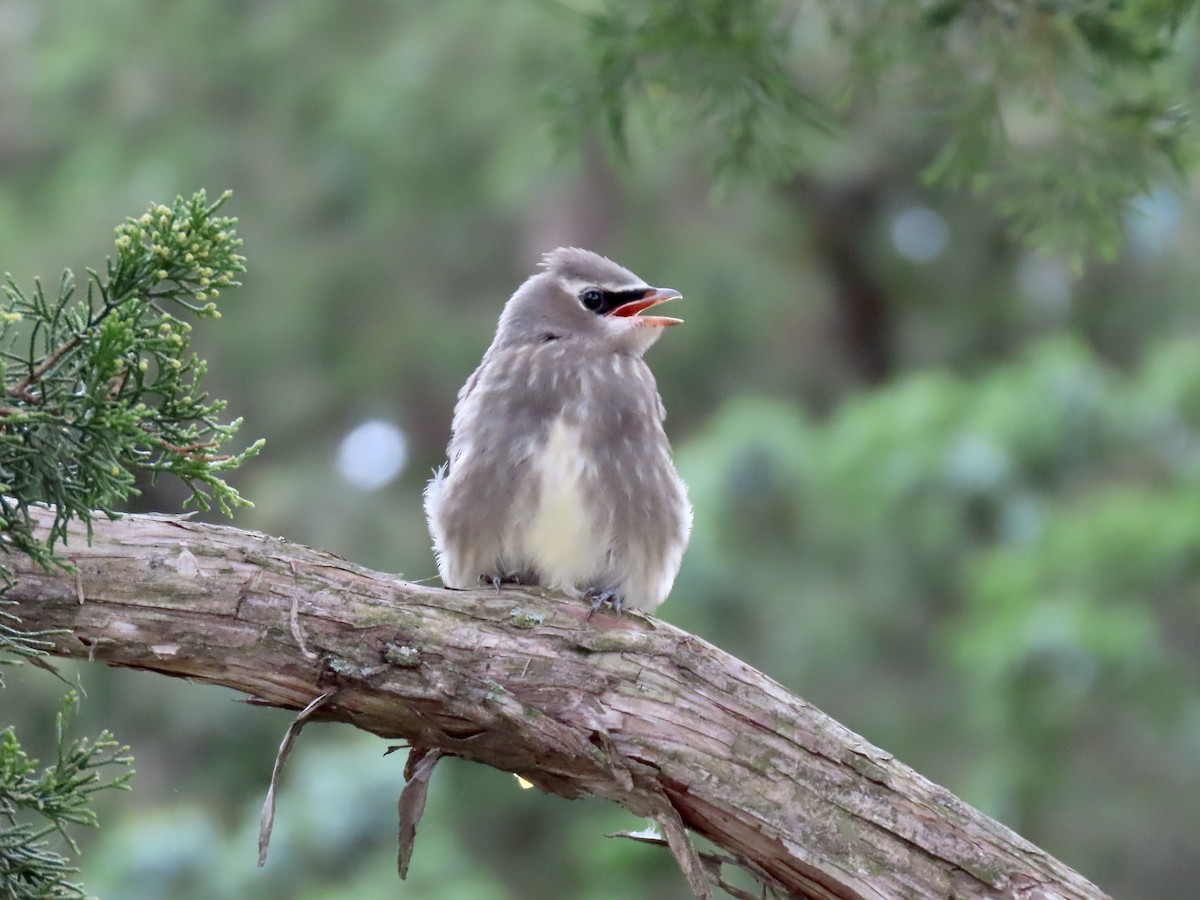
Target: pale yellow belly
[[561, 539]]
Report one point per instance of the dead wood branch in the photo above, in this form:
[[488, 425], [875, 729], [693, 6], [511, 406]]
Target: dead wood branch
[[631, 708]]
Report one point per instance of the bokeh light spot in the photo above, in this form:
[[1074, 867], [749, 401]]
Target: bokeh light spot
[[919, 234], [1152, 223], [372, 454]]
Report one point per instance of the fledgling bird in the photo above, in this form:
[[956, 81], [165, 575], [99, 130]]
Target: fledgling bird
[[559, 473]]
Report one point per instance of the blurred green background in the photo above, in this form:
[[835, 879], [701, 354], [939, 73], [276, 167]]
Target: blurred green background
[[944, 489]]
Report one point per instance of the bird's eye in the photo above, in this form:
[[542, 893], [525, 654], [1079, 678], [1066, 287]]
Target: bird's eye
[[592, 299]]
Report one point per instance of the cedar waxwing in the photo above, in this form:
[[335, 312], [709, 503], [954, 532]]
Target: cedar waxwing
[[559, 473]]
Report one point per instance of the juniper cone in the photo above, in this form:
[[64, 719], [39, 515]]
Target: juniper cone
[[559, 473]]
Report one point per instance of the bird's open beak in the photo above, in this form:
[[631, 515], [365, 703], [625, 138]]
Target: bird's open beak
[[652, 297]]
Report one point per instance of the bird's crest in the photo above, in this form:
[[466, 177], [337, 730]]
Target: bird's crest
[[577, 264]]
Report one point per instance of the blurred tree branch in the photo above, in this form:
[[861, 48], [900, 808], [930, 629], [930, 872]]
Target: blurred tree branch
[[1056, 114], [630, 709]]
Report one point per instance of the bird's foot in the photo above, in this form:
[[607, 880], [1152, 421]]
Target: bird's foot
[[496, 580], [600, 597]]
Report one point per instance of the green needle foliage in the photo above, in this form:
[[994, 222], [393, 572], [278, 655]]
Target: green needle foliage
[[35, 806], [721, 66], [1058, 113], [101, 388]]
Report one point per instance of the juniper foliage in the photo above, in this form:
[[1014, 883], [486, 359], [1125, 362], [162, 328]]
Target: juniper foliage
[[36, 806], [1056, 114], [102, 387]]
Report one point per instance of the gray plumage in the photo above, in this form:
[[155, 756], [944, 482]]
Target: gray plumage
[[559, 472]]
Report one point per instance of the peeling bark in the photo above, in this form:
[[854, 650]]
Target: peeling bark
[[630, 708]]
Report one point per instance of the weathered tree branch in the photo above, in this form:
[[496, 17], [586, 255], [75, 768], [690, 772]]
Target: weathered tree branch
[[630, 708]]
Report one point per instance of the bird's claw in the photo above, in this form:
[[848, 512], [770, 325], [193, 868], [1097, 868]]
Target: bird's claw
[[496, 580], [599, 598]]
